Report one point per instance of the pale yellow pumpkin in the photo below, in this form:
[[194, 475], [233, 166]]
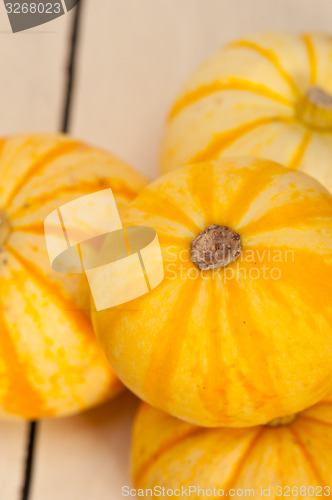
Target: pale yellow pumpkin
[[241, 344], [50, 361], [286, 458], [268, 96]]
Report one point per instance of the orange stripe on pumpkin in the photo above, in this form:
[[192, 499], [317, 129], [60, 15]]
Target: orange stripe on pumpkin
[[253, 183], [119, 189], [215, 376], [166, 447], [232, 84], [290, 215], [154, 205], [223, 140], [204, 175], [314, 420], [166, 352], [242, 461], [300, 150], [37, 228], [312, 58], [56, 293], [176, 239], [243, 326], [2, 144], [312, 299], [308, 457], [60, 150], [271, 57], [325, 402], [20, 397]]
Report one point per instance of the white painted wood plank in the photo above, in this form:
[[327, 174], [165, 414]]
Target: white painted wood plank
[[32, 81], [13, 437], [31, 93], [135, 55], [85, 457]]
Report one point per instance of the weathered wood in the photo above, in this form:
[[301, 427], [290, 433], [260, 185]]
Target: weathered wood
[[31, 94], [85, 457]]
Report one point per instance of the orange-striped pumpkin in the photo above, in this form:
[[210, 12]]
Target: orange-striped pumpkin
[[50, 361], [268, 96], [246, 342], [287, 458]]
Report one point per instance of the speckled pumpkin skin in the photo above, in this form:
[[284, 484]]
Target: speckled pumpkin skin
[[244, 101], [169, 453], [235, 347], [50, 361]]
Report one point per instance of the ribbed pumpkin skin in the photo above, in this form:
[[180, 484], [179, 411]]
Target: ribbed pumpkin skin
[[243, 101], [170, 453], [50, 361], [216, 350]]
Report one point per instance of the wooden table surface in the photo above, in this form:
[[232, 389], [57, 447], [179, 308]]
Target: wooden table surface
[[107, 73]]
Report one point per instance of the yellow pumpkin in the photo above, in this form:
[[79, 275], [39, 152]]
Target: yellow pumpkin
[[246, 342], [268, 96], [286, 458], [50, 361]]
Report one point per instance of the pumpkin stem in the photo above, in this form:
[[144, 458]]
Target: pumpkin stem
[[277, 422], [4, 228], [214, 247], [315, 108]]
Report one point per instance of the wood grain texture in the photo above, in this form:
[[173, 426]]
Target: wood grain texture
[[85, 457], [32, 83], [135, 56], [33, 75], [13, 436]]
